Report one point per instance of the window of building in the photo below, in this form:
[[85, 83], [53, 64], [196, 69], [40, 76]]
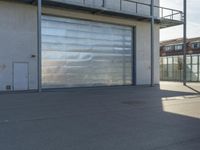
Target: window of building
[[196, 45], [178, 47], [169, 48], [172, 68]]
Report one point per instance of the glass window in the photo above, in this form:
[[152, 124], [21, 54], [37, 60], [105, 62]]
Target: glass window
[[188, 68], [188, 60], [194, 77], [170, 60], [175, 60], [194, 68], [196, 45], [199, 68], [165, 60], [180, 62], [178, 47], [194, 59], [169, 48], [170, 68]]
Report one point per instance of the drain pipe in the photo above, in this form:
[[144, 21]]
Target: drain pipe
[[152, 42], [185, 44], [39, 14]]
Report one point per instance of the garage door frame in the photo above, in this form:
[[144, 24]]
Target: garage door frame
[[133, 53]]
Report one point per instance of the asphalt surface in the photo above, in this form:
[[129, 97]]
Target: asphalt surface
[[112, 118]]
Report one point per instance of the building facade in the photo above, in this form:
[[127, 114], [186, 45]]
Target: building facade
[[84, 43], [171, 61]]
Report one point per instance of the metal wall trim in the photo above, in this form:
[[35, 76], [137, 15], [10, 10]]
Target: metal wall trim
[[39, 16], [134, 53], [152, 42]]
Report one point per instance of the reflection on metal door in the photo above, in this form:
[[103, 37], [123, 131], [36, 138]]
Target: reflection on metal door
[[20, 76], [79, 53]]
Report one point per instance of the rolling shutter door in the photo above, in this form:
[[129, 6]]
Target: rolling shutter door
[[79, 53]]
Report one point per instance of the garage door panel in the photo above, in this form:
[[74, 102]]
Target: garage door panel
[[77, 48], [84, 53], [85, 43], [68, 33]]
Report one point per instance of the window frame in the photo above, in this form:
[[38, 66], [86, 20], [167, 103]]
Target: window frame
[[197, 45], [178, 47]]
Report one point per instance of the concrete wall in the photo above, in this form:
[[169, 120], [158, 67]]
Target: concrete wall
[[18, 41]]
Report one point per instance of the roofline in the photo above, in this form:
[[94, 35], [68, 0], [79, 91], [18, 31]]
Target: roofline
[[178, 40], [163, 21]]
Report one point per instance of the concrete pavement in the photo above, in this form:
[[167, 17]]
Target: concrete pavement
[[112, 118]]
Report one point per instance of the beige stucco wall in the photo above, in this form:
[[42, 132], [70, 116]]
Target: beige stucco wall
[[18, 41], [18, 34]]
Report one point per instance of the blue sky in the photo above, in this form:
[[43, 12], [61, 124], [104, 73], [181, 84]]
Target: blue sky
[[193, 19]]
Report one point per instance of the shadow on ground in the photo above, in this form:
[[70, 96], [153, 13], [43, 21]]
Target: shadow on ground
[[193, 89], [112, 118]]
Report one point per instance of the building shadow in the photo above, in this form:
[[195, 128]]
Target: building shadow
[[110, 118]]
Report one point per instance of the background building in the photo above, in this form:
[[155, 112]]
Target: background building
[[84, 43], [171, 61]]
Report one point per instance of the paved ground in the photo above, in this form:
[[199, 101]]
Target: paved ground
[[115, 118]]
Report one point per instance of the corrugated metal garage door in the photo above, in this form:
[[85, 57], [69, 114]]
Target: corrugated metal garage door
[[77, 53]]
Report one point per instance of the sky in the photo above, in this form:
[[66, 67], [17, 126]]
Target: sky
[[193, 22]]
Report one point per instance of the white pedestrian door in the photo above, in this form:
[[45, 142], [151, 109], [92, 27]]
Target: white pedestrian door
[[20, 76]]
